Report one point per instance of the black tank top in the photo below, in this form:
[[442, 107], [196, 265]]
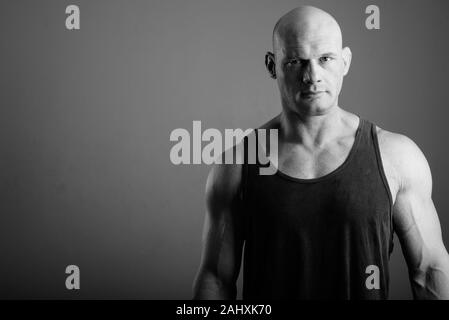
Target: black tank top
[[315, 238]]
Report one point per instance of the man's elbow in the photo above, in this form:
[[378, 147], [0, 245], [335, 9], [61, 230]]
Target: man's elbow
[[431, 279], [208, 286]]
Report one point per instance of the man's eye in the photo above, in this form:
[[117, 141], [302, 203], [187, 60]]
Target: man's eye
[[291, 62], [325, 59]]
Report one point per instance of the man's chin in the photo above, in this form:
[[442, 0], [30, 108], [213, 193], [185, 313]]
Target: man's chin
[[313, 108]]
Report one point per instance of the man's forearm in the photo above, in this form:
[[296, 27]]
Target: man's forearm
[[432, 283]]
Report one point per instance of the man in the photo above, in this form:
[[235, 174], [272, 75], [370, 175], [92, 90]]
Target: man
[[322, 226]]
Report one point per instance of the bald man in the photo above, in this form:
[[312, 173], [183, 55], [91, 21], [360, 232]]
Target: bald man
[[322, 226]]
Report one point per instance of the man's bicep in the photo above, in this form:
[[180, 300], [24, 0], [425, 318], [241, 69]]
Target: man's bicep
[[222, 233], [417, 226], [415, 218]]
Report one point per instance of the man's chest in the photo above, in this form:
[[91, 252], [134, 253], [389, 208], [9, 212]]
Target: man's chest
[[311, 163], [303, 163]]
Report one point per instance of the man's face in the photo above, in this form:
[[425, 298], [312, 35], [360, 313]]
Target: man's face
[[309, 69]]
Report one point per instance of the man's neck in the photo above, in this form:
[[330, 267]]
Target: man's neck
[[311, 130]]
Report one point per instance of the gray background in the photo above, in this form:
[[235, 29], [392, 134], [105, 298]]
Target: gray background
[[85, 175]]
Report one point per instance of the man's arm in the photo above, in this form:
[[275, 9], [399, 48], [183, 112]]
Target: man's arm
[[416, 221], [222, 235]]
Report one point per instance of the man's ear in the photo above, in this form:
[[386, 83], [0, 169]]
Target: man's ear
[[270, 64], [347, 57]]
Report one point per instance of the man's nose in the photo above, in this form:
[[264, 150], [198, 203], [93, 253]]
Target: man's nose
[[310, 73]]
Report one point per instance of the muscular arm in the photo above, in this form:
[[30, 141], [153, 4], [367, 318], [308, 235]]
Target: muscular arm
[[222, 236], [416, 222]]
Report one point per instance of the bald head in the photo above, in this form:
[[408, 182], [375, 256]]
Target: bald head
[[306, 24], [308, 57]]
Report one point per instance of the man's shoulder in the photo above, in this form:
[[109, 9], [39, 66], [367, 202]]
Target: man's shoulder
[[397, 146], [273, 123], [403, 155], [393, 140], [225, 177]]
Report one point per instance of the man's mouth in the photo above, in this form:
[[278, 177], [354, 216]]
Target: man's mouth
[[311, 93]]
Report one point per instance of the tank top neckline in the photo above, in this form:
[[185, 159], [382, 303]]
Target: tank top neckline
[[329, 175]]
